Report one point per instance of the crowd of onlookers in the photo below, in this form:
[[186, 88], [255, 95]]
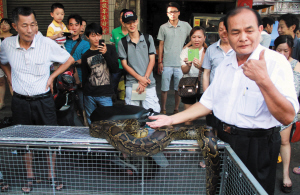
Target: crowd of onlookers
[[84, 72]]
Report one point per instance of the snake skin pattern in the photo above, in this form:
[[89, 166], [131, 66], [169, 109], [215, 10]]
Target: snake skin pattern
[[130, 138]]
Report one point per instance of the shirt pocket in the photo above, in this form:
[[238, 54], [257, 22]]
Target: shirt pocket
[[250, 103], [40, 69]]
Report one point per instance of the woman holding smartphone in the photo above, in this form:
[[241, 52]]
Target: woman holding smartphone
[[192, 68]]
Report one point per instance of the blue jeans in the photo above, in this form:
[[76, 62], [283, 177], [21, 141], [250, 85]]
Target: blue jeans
[[91, 103]]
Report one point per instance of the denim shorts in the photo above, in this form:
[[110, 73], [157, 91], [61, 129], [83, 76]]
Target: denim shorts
[[167, 75]]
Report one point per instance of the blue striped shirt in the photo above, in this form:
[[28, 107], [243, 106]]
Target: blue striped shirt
[[30, 69]]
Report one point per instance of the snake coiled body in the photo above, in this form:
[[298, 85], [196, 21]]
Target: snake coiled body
[[119, 133]]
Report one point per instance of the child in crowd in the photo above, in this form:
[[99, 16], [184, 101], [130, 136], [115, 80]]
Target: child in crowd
[[57, 28]]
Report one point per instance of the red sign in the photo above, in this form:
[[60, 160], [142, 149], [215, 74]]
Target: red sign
[[1, 9], [104, 22], [244, 3]]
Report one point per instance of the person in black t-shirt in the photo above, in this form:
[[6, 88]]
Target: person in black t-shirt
[[97, 65]]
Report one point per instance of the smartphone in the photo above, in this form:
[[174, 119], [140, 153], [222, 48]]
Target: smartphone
[[67, 34], [101, 42]]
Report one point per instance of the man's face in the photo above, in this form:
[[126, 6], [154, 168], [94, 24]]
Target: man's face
[[173, 13], [269, 28], [26, 27], [58, 15], [131, 26], [284, 30], [83, 26], [243, 32], [74, 26], [223, 33], [94, 39]]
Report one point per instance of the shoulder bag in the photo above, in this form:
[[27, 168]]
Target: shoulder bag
[[190, 86]]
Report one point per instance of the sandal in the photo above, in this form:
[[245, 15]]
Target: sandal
[[296, 170], [4, 186], [175, 111], [59, 185], [163, 112], [286, 189]]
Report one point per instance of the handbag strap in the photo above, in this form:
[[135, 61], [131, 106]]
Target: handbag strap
[[200, 73], [75, 46]]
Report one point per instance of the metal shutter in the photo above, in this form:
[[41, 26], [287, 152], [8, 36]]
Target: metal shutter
[[89, 10]]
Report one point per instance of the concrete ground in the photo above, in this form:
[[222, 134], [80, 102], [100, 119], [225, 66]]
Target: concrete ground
[[295, 158]]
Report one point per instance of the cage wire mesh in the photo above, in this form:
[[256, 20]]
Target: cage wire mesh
[[88, 165]]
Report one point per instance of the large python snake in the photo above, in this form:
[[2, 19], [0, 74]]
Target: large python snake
[[122, 135]]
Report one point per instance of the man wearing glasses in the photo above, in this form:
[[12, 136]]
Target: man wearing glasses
[[171, 36]]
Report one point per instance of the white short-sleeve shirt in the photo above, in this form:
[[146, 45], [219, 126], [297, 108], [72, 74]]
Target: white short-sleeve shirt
[[30, 69], [237, 100]]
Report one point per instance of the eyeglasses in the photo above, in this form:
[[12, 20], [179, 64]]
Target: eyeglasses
[[173, 12]]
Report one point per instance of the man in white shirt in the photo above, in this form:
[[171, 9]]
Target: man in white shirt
[[252, 93], [26, 60]]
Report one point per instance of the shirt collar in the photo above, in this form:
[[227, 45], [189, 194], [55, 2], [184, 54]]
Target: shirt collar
[[218, 46], [18, 43], [218, 43], [178, 24], [254, 56], [55, 23], [141, 37]]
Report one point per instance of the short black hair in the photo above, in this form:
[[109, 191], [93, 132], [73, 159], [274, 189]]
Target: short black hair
[[290, 20], [93, 28], [57, 5], [221, 20], [8, 21], [123, 11], [23, 11], [84, 20], [77, 18], [288, 39], [173, 4], [239, 10], [267, 20]]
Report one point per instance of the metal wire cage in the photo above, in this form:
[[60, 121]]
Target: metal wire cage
[[88, 165]]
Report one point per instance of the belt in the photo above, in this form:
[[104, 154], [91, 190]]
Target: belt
[[34, 97], [234, 130]]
